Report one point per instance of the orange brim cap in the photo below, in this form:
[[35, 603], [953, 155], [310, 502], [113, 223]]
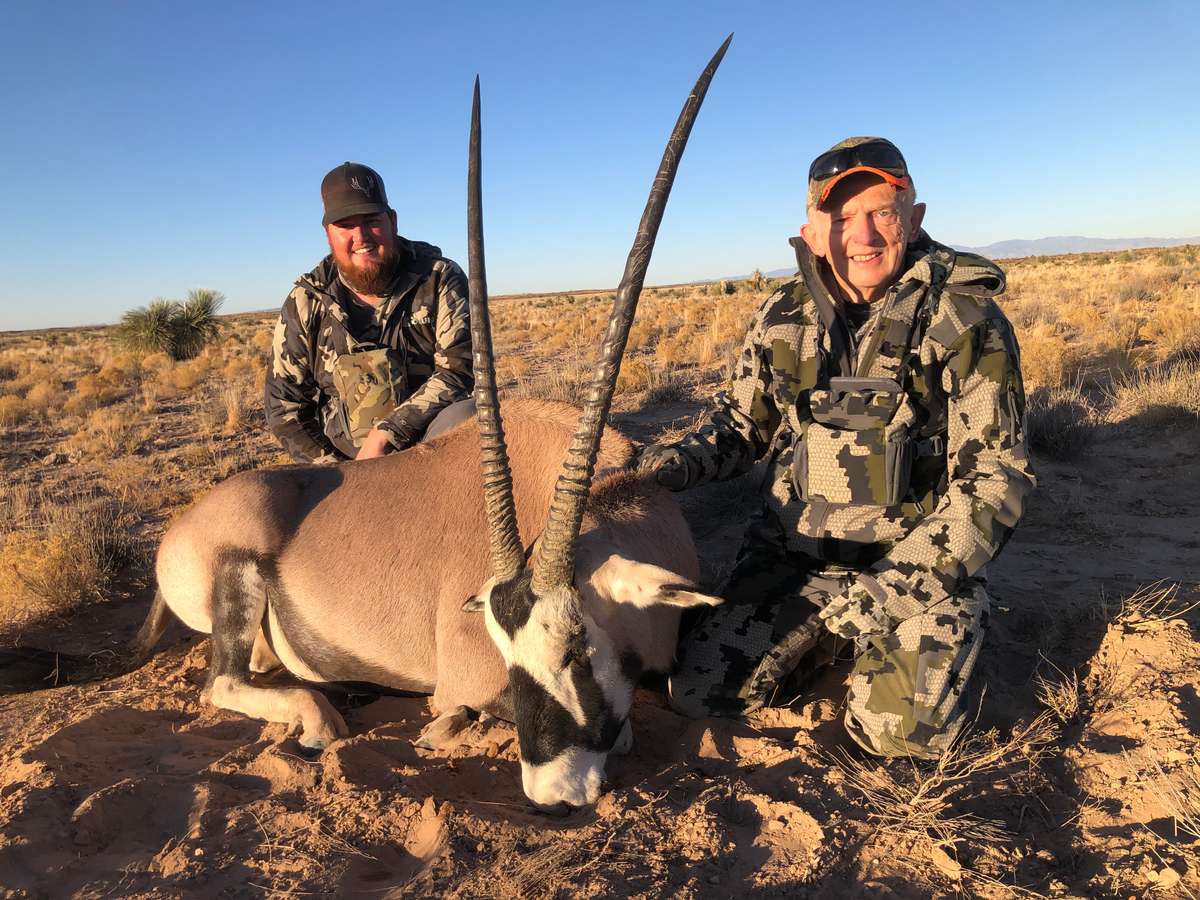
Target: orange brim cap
[[900, 184]]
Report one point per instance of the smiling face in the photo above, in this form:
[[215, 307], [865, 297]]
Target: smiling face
[[863, 230], [365, 250]]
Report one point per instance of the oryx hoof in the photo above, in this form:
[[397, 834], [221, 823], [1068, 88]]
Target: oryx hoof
[[446, 731]]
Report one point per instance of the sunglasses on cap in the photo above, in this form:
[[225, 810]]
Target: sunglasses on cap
[[872, 155]]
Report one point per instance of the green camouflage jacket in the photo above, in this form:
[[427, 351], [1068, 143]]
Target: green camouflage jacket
[[971, 471], [424, 320]]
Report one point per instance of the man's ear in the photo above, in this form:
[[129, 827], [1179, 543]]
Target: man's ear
[[644, 585], [816, 237], [914, 222], [473, 604], [392, 216]]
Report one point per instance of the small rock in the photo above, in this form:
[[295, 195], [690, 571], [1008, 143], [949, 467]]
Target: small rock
[[198, 852], [945, 863], [1166, 878], [429, 808]]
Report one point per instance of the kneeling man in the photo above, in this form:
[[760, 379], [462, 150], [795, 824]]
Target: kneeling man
[[883, 388], [372, 350]]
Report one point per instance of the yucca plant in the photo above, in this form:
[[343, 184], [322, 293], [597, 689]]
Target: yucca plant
[[179, 329], [196, 322], [149, 328]]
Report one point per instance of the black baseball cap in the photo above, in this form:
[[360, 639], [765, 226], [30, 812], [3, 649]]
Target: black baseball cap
[[352, 189]]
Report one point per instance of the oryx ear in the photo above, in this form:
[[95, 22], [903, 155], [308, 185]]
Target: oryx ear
[[473, 604], [641, 584]]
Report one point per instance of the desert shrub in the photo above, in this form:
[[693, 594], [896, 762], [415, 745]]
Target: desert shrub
[[156, 362], [109, 431], [1160, 395], [264, 339], [185, 376], [13, 411], [634, 376], [240, 368], [666, 386], [44, 395], [1174, 331], [1061, 421], [70, 555], [178, 329], [8, 371]]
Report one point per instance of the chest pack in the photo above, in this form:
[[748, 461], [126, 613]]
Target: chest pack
[[369, 385], [858, 443]]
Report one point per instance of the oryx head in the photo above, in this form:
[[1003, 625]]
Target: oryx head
[[570, 687]]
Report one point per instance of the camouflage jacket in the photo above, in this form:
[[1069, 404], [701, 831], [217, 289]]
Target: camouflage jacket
[[424, 320], [970, 473]]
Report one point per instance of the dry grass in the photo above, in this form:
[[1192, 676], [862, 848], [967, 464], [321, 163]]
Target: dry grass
[[1061, 421], [1162, 395], [13, 411], [68, 553], [930, 802], [1149, 607]]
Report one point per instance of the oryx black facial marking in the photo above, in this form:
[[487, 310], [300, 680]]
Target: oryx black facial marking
[[512, 602], [544, 726]]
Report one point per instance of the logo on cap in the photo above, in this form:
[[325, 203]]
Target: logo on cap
[[358, 186]]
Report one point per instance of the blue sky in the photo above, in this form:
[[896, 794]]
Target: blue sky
[[150, 148]]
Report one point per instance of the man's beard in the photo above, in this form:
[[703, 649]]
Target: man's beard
[[375, 281]]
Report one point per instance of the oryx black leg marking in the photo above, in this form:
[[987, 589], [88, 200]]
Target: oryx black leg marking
[[239, 605]]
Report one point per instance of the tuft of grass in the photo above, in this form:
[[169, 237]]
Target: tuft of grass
[[1063, 696], [1149, 607], [1160, 395], [234, 407], [928, 802], [70, 555], [1061, 421], [13, 411]]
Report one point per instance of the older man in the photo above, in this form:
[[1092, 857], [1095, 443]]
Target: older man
[[883, 388], [372, 350]]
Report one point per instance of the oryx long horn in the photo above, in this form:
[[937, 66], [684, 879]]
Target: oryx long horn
[[555, 562], [507, 552]]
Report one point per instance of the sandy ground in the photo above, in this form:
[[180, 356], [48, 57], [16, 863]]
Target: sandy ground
[[128, 786]]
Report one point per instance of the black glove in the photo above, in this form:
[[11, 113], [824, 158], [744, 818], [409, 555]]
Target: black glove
[[666, 465]]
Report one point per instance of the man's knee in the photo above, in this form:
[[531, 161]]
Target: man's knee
[[909, 689]]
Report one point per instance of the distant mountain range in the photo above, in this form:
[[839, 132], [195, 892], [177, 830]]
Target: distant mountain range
[[1047, 246], [1052, 246]]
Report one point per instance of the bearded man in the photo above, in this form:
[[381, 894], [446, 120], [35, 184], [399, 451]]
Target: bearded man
[[883, 389], [372, 350]]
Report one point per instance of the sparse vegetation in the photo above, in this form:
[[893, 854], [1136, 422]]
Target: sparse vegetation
[[65, 553]]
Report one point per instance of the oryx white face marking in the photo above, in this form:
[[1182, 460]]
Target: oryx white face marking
[[570, 695]]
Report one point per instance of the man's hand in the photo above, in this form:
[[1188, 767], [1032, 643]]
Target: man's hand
[[666, 465], [377, 443], [856, 614]]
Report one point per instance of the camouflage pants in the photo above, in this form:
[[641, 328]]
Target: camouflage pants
[[907, 688]]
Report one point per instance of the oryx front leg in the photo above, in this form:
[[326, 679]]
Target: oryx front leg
[[239, 603]]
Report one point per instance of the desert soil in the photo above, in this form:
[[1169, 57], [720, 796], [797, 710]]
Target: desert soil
[[127, 785]]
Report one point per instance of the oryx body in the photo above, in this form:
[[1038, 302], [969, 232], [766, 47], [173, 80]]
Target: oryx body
[[359, 572]]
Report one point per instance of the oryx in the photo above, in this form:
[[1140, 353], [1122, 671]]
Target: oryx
[[359, 572]]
